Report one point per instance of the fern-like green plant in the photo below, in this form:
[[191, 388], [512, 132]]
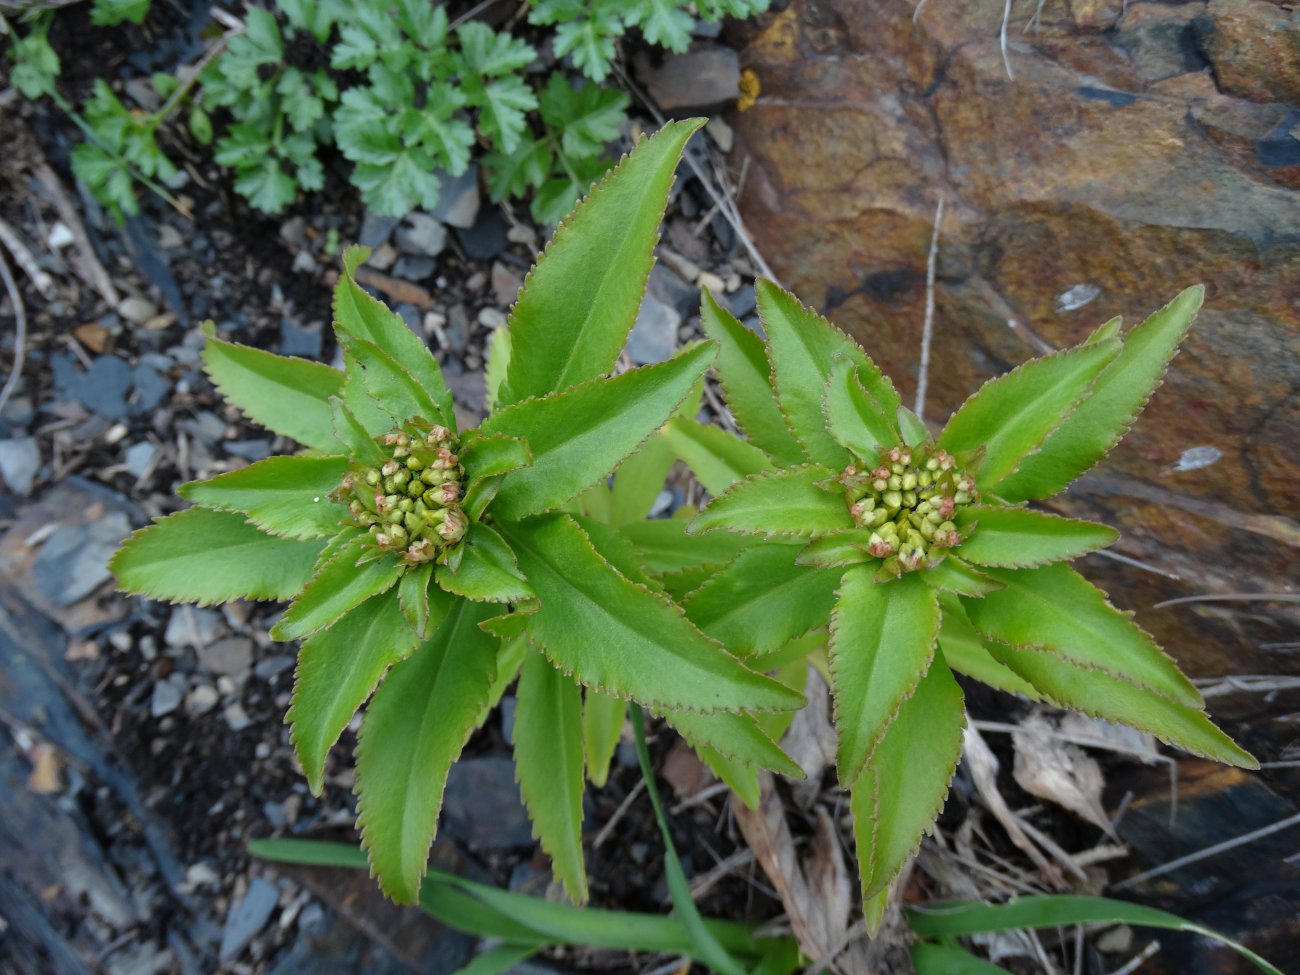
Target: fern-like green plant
[[437, 562]]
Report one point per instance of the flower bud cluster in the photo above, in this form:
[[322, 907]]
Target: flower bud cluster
[[411, 503], [908, 503]]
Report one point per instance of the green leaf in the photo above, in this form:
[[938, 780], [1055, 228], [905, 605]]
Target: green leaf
[[495, 961], [357, 313], [743, 370], [390, 384], [854, 420], [1097, 693], [107, 13], [549, 766], [664, 23], [912, 427], [414, 729], [1121, 390], [338, 668], [1058, 911], [338, 586], [803, 347], [736, 737], [762, 600], [490, 456], [620, 637], [882, 641], [578, 436], [498, 361], [836, 550], [664, 545], [287, 496], [903, 787], [423, 605], [639, 480], [782, 503], [602, 727], [265, 184], [1012, 415], [965, 652], [1056, 609], [954, 575], [718, 459], [201, 556], [287, 396], [1018, 537], [353, 436], [931, 959], [487, 570], [577, 305]]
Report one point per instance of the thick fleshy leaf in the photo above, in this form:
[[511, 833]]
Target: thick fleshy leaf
[[803, 347], [954, 575], [1117, 397], [736, 737], [901, 791], [357, 313], [369, 412], [580, 435], [1012, 415], [1017, 537], [882, 641], [639, 481], [390, 383], [549, 765], [745, 375], [762, 600], [853, 418], [787, 503], [487, 570], [1102, 695], [664, 546], [201, 556], [352, 434], [602, 727], [965, 652], [422, 603], [338, 668], [577, 305], [912, 427], [286, 496], [287, 396], [718, 459], [498, 361], [414, 728], [338, 586], [1055, 608], [838, 549], [623, 639]]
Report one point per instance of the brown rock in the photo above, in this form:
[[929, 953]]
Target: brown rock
[[1110, 174], [1255, 49]]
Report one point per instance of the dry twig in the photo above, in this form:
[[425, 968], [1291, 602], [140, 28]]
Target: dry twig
[[20, 331]]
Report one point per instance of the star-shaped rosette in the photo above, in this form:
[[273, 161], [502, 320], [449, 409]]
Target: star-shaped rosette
[[430, 565], [911, 557]]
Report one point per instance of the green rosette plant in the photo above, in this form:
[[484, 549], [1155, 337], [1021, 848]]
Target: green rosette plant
[[435, 563], [906, 557]]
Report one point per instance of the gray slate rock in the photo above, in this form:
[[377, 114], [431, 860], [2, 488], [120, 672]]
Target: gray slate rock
[[150, 388], [421, 234], [699, 78], [139, 456], [413, 267], [487, 237], [667, 287], [476, 784], [191, 626], [229, 656], [301, 340], [167, 695], [458, 200], [73, 561], [654, 336], [103, 388], [20, 459], [248, 917], [376, 229]]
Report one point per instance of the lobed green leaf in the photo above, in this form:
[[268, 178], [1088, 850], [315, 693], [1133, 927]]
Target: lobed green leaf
[[549, 764], [415, 727], [1121, 389], [202, 556], [288, 396], [286, 496], [622, 638], [1056, 609], [578, 304], [338, 668], [902, 789], [578, 436], [744, 373], [1012, 415], [787, 503], [1018, 537], [338, 585], [881, 643]]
